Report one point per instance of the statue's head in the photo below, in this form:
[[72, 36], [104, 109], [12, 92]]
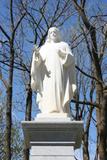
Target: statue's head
[[53, 35]]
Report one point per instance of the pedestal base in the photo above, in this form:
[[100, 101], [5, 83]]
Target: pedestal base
[[52, 138], [52, 153]]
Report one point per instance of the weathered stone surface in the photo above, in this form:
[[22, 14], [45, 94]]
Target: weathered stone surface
[[53, 130], [52, 138]]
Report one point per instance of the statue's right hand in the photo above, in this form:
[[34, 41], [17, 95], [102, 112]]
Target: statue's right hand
[[37, 59], [36, 49]]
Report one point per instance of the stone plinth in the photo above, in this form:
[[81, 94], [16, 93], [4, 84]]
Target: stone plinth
[[52, 138]]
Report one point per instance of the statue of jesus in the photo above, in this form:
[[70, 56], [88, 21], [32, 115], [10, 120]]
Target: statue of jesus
[[53, 74]]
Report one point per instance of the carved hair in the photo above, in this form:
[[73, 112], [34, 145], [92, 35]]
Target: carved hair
[[58, 34]]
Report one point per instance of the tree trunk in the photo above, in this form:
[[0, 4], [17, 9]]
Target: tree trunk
[[85, 147], [105, 119], [28, 116], [86, 136], [28, 103], [102, 125], [9, 106], [100, 96]]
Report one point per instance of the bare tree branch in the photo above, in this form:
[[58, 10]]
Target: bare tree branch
[[92, 77], [86, 103], [4, 32], [11, 15], [18, 23]]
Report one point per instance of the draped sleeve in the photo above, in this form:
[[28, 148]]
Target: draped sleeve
[[68, 62], [36, 72]]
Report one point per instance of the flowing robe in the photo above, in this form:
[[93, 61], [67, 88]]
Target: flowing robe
[[53, 77]]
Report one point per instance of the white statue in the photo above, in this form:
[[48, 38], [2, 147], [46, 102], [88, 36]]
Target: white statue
[[53, 74]]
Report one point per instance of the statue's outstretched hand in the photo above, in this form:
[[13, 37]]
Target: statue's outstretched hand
[[36, 50], [36, 54], [62, 53]]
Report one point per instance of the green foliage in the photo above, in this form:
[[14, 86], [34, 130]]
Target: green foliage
[[16, 140]]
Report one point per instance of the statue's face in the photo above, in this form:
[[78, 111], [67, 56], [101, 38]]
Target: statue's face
[[53, 34]]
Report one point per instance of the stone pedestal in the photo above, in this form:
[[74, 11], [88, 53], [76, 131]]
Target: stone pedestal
[[52, 138]]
